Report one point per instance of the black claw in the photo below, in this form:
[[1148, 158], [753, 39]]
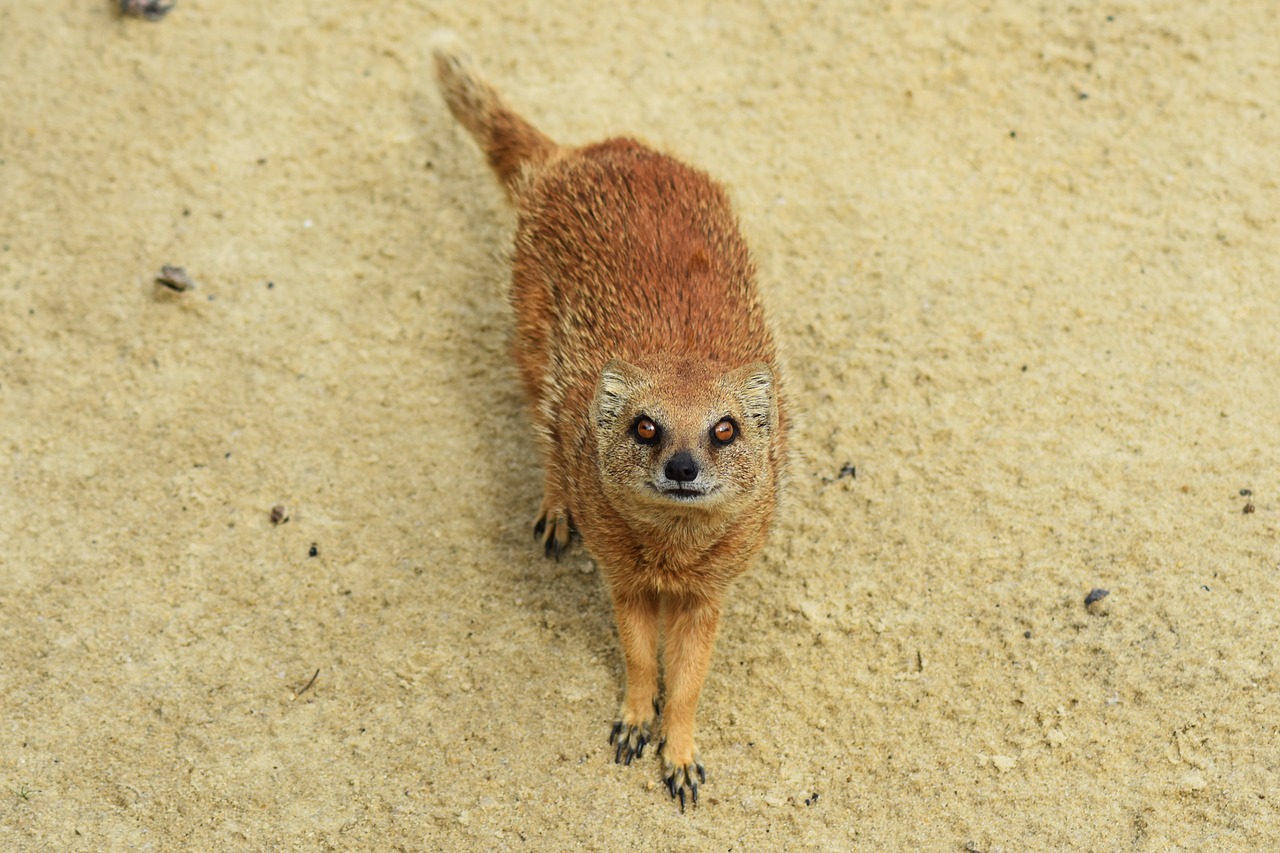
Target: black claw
[[693, 789], [629, 742], [702, 774], [539, 528], [682, 800]]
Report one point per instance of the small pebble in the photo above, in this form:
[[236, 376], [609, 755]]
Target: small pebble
[[1094, 602], [279, 515], [152, 10], [314, 552], [175, 278]]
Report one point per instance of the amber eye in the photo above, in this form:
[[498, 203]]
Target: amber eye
[[646, 431], [725, 431]]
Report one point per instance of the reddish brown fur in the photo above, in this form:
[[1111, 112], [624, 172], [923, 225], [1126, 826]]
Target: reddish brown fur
[[634, 291]]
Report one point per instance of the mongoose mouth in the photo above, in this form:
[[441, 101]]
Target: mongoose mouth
[[684, 494]]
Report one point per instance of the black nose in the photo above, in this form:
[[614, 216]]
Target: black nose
[[682, 468]]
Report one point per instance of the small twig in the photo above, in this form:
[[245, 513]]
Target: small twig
[[308, 687]]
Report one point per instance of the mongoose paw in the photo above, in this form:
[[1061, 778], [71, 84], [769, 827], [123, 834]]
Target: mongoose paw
[[555, 529], [683, 777], [630, 740]]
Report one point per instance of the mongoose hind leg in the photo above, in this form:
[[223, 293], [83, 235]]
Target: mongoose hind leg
[[554, 529], [637, 616], [554, 525]]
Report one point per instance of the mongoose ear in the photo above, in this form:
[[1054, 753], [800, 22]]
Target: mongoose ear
[[618, 382], [756, 390]]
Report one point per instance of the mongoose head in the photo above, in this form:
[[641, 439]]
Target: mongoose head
[[683, 437]]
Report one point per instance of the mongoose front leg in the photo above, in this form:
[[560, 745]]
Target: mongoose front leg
[[690, 636], [637, 617]]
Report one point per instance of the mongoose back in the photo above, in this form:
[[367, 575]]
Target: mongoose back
[[653, 384]]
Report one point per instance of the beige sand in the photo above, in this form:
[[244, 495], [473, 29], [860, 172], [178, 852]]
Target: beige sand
[[1026, 262]]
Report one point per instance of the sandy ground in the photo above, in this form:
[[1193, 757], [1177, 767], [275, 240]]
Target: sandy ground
[[1025, 261]]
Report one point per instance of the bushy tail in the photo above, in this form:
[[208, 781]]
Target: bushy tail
[[512, 145]]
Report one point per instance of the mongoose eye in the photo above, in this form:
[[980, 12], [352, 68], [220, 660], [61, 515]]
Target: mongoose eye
[[646, 431], [724, 432]]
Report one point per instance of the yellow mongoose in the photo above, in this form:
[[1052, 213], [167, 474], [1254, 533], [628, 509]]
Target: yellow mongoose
[[653, 384]]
